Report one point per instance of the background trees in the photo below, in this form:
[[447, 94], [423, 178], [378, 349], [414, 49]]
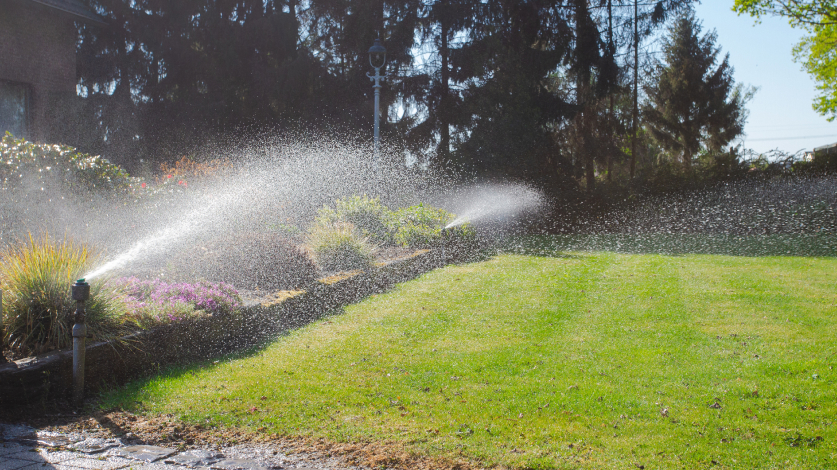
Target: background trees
[[166, 76], [693, 100], [818, 51], [540, 91]]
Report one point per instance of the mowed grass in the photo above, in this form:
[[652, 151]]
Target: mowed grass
[[564, 360]]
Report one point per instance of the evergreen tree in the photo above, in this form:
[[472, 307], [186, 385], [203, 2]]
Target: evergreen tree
[[512, 48], [164, 76], [693, 100], [435, 91]]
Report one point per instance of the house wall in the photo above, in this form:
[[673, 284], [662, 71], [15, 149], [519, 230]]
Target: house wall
[[37, 47]]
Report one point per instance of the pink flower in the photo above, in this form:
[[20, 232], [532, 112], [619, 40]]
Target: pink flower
[[143, 185], [168, 176]]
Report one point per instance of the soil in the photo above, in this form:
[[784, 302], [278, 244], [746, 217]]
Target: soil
[[165, 431]]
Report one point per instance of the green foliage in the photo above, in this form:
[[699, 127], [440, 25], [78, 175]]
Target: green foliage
[[367, 215], [50, 164], [419, 226], [693, 101], [36, 277], [155, 302], [818, 56], [416, 226], [817, 51], [339, 247]]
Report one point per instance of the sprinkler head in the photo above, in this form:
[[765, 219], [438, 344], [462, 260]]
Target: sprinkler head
[[80, 291]]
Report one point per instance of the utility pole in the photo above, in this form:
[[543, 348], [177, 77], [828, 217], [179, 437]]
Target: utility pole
[[636, 80], [444, 101]]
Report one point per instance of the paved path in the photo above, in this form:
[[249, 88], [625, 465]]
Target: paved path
[[25, 448]]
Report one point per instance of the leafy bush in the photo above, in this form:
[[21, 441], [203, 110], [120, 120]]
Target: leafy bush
[[368, 216], [154, 302], [37, 305], [338, 247], [420, 226], [48, 164], [186, 167], [416, 227]]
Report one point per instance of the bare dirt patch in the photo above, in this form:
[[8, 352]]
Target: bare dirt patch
[[164, 430]]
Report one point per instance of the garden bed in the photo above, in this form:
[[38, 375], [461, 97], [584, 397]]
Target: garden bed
[[264, 316]]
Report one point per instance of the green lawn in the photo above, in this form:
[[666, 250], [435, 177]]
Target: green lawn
[[558, 360]]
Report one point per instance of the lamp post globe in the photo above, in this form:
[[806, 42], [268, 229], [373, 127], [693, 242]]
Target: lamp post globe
[[377, 54]]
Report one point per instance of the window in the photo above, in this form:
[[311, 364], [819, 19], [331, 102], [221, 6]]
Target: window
[[14, 109]]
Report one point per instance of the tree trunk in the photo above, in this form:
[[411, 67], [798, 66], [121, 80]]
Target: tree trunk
[[583, 75], [444, 100]]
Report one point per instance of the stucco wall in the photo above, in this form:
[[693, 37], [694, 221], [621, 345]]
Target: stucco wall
[[37, 47]]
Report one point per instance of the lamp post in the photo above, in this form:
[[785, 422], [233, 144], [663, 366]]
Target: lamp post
[[377, 59], [80, 292]]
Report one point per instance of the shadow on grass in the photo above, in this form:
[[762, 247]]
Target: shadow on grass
[[796, 245], [128, 396]]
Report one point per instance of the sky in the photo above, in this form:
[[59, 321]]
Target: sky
[[781, 115]]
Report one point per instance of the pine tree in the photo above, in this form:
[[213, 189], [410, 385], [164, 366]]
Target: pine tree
[[693, 100]]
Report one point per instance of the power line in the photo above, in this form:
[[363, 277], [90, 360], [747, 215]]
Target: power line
[[792, 138]]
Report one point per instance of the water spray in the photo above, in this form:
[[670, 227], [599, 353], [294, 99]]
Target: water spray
[[80, 293]]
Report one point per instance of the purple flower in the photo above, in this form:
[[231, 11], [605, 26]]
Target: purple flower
[[156, 301]]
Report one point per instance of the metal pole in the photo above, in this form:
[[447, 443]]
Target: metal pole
[[377, 87], [377, 133], [81, 292]]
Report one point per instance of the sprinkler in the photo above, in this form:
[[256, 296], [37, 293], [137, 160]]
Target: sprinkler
[[444, 242], [2, 357], [81, 293]]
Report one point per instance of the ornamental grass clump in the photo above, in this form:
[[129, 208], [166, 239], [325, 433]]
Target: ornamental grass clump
[[36, 276], [367, 214], [421, 226], [339, 247], [155, 302]]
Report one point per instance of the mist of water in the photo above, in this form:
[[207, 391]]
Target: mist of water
[[494, 203], [281, 183], [779, 216]]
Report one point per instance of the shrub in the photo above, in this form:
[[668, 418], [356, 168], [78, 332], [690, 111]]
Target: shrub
[[186, 167], [155, 302], [368, 216], [338, 247], [37, 305], [419, 226], [50, 164]]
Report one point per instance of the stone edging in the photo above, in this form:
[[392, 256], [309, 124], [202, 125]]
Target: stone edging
[[49, 376]]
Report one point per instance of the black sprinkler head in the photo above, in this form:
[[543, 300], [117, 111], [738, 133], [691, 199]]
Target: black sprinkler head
[[80, 291]]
